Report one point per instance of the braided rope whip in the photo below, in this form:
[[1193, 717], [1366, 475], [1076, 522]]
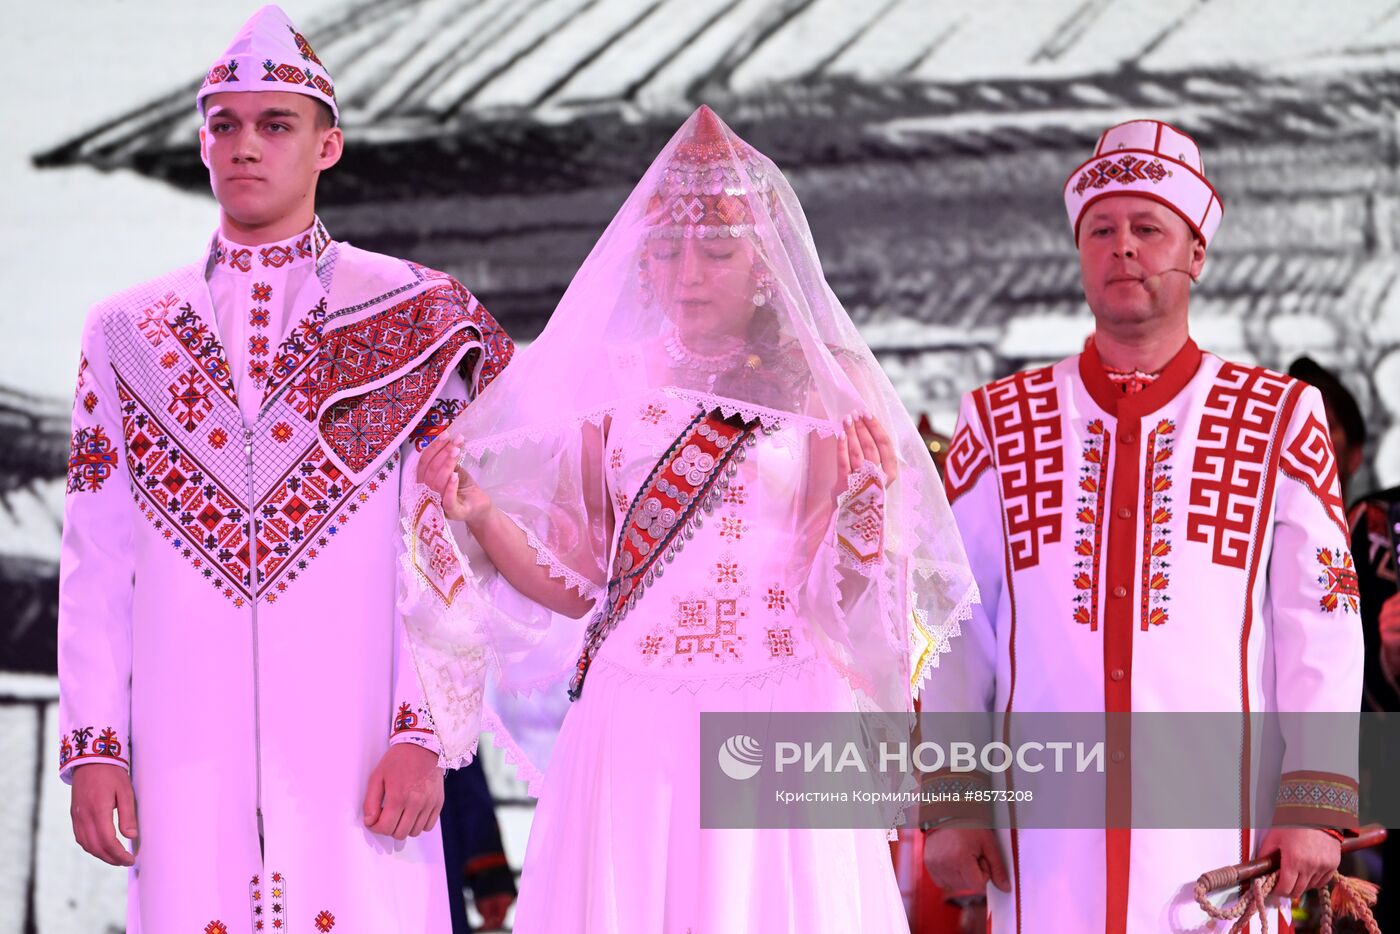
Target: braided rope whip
[[1347, 897]]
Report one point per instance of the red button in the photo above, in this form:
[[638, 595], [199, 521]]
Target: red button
[[1125, 513], [1120, 591], [1117, 674], [1128, 438], [1119, 756]]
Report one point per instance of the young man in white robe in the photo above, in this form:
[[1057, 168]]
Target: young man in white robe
[[1153, 529], [234, 682]]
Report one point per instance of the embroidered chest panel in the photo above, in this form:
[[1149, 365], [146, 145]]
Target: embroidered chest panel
[[249, 530]]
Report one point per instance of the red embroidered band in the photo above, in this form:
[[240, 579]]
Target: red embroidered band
[[686, 480]]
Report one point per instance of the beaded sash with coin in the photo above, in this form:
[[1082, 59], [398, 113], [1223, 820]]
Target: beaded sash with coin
[[685, 483]]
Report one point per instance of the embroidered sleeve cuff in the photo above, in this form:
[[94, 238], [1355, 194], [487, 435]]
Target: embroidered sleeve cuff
[[413, 725], [955, 798], [860, 518], [85, 744], [1317, 799]]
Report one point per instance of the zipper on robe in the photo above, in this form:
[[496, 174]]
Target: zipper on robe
[[253, 589]]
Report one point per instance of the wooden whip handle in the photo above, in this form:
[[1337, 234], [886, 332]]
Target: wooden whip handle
[[1230, 876]]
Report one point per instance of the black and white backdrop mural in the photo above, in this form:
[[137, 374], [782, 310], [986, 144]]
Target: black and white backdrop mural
[[928, 140]]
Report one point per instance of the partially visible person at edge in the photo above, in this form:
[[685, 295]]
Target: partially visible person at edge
[[233, 677], [1152, 528]]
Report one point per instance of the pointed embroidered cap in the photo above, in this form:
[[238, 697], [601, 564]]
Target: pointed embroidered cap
[[1150, 159], [268, 54], [704, 190]]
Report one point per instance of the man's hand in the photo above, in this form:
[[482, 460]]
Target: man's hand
[[962, 860], [405, 792], [1307, 858], [1390, 637], [493, 910], [98, 789]]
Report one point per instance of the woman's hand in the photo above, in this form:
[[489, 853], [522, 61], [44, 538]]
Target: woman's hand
[[864, 440], [439, 470]]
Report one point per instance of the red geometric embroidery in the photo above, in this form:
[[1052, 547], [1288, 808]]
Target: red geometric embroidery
[[1126, 170], [90, 402], [407, 719], [169, 359], [215, 927], [703, 628], [653, 414], [1157, 517], [152, 323], [1088, 544], [257, 345], [75, 745], [1308, 458], [275, 256], [439, 417], [292, 354], [734, 495], [967, 458], [218, 438], [776, 599], [189, 399], [204, 349], [295, 519], [1025, 415], [727, 572], [780, 644], [222, 73], [1338, 580], [281, 432], [615, 459], [325, 921], [91, 460], [303, 46], [731, 529], [650, 645], [360, 427], [1240, 417], [262, 293]]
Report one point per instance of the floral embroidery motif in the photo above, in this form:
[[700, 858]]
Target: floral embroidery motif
[[189, 399], [269, 913], [1338, 580], [780, 644], [90, 402], [727, 572], [615, 459], [734, 495], [776, 599], [152, 323], [281, 432], [80, 744], [731, 529], [91, 460], [325, 921], [218, 438], [1126, 170], [411, 719], [1093, 484], [653, 414], [1157, 517], [438, 419]]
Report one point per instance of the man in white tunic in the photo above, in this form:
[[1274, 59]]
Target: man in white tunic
[[1155, 529], [234, 679]]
